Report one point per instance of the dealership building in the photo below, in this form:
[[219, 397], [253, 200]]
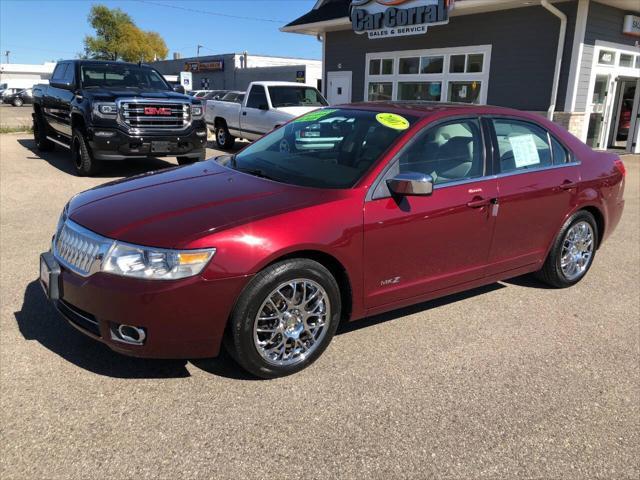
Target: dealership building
[[576, 61], [234, 71]]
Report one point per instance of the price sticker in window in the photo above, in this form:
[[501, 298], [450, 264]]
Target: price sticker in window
[[391, 120], [525, 152]]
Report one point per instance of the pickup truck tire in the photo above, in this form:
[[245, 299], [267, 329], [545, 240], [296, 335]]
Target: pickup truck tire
[[83, 160], [223, 138], [186, 160], [43, 144]]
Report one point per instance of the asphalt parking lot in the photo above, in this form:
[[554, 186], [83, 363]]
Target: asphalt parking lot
[[512, 380], [15, 117]]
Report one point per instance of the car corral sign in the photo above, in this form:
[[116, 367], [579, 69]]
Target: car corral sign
[[396, 18]]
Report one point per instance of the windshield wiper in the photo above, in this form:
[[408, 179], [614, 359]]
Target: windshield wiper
[[256, 172]]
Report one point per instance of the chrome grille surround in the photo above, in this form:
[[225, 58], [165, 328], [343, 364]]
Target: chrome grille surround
[[131, 115], [80, 250]]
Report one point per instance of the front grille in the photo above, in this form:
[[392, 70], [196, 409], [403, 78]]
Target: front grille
[[152, 115], [80, 249]]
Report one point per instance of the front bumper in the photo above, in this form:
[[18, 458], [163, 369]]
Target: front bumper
[[120, 145], [182, 319]]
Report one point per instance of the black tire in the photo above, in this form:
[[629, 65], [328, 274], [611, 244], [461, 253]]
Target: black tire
[[224, 139], [239, 338], [552, 273], [18, 102], [83, 160], [43, 144], [186, 160]]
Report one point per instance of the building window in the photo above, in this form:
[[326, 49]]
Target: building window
[[379, 66], [626, 60], [457, 74], [420, 91], [638, 61], [380, 91], [607, 57], [409, 66], [464, 92]]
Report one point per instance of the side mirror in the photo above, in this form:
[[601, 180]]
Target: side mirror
[[264, 106], [411, 184], [63, 85], [179, 89]]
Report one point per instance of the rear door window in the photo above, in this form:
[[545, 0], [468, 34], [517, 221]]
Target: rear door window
[[522, 145], [59, 72], [257, 97]]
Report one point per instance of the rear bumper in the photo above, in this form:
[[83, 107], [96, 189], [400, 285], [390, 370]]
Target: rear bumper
[[181, 319], [119, 145]]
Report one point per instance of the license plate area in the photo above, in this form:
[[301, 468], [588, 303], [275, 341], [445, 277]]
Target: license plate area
[[50, 275], [162, 146]]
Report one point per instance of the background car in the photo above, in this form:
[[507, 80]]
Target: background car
[[23, 97]]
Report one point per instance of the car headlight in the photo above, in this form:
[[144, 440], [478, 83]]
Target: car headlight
[[155, 263], [196, 111], [105, 109]]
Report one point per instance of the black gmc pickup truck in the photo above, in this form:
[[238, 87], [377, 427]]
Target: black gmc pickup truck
[[115, 111]]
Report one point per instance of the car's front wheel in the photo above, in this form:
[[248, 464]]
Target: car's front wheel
[[17, 102], [572, 253], [285, 318]]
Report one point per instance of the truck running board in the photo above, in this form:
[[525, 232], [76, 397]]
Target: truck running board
[[62, 144]]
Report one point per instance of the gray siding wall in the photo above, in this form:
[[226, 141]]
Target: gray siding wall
[[524, 43], [603, 23]]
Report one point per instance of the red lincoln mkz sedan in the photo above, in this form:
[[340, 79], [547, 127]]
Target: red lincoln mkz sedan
[[342, 213]]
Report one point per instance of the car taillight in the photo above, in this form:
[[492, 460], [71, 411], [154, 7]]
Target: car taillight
[[620, 166]]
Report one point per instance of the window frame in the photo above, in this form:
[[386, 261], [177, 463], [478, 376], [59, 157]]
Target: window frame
[[573, 161], [444, 77], [379, 189]]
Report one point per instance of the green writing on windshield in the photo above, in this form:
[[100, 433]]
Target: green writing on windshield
[[314, 116]]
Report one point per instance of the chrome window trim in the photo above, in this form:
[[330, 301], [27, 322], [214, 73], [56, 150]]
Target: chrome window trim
[[96, 265]]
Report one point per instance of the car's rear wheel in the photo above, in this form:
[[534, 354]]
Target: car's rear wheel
[[284, 319], [17, 102], [83, 160], [43, 144], [224, 139], [572, 253]]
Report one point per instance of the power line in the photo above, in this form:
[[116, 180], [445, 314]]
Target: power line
[[215, 14]]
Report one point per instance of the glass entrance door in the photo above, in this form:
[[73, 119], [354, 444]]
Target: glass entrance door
[[621, 125], [598, 109]]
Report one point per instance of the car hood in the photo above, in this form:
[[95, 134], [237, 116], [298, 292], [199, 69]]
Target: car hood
[[174, 207], [110, 94], [296, 111]]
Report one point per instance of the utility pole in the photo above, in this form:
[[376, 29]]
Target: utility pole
[[6, 54], [198, 51]]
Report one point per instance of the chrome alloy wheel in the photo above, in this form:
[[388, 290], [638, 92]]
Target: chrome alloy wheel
[[291, 322], [577, 250]]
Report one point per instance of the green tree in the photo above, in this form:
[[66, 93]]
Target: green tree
[[118, 38]]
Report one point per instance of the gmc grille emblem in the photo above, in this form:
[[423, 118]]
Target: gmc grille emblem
[[157, 111]]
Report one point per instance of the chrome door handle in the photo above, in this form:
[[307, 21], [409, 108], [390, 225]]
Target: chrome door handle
[[568, 185], [479, 203]]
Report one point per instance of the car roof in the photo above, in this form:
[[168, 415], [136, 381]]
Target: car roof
[[425, 108]]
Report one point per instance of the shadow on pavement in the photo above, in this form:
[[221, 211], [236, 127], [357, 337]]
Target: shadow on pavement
[[348, 327], [60, 158]]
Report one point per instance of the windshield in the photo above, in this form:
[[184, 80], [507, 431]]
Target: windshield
[[122, 76], [296, 97], [327, 148]]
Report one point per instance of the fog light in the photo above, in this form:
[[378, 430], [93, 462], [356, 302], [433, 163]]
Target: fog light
[[104, 133], [203, 133]]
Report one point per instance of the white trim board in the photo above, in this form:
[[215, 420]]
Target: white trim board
[[576, 55]]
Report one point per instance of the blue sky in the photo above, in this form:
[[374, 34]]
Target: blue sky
[[36, 31]]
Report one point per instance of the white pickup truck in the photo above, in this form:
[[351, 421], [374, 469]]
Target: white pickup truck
[[265, 106]]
